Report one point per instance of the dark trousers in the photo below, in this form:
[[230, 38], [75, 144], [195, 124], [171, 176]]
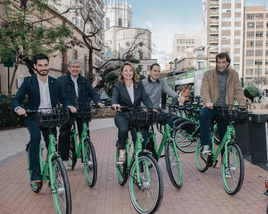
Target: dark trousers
[[122, 123], [34, 144], [206, 115], [64, 138]]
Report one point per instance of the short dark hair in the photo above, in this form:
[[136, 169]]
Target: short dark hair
[[223, 55], [40, 56], [151, 67]]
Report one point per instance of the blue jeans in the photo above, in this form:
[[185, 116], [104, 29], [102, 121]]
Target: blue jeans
[[206, 115]]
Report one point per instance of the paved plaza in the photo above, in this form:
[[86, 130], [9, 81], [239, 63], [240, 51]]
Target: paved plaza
[[200, 193]]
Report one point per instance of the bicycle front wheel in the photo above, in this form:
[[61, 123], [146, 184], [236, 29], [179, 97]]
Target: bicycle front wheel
[[61, 191], [90, 164], [232, 182], [146, 196], [201, 159], [173, 164]]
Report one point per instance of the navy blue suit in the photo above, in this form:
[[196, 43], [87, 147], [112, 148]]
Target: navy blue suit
[[85, 91], [30, 87], [121, 96]]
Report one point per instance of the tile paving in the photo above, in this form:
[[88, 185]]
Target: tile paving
[[200, 193]]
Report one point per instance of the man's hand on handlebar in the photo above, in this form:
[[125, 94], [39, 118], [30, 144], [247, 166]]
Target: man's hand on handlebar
[[116, 107], [209, 105], [72, 109], [21, 111], [181, 99]]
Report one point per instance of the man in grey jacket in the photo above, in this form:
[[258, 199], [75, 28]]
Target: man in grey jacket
[[154, 88]]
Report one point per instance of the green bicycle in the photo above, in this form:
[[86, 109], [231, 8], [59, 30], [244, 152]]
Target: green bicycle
[[85, 150], [232, 159], [54, 170], [171, 154], [146, 181]]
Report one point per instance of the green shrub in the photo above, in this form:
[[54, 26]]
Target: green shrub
[[251, 92], [8, 118]]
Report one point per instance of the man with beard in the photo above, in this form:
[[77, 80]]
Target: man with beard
[[43, 92]]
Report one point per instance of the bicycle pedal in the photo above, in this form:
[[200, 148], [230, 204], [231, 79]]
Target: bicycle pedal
[[174, 164], [68, 167], [120, 163], [89, 163]]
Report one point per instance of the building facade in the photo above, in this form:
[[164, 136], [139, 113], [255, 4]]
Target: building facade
[[117, 14], [255, 52], [224, 30]]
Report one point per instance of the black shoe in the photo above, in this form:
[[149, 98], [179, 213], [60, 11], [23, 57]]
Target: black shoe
[[35, 176]]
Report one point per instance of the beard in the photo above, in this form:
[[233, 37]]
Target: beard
[[39, 72]]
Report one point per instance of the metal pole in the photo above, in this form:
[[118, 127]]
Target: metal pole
[[73, 38], [258, 73], [175, 68]]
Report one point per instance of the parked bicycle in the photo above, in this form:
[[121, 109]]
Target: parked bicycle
[[146, 181], [85, 150], [232, 159], [266, 193], [54, 170]]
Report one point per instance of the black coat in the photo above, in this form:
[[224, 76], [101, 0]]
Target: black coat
[[120, 96], [85, 90], [30, 86]]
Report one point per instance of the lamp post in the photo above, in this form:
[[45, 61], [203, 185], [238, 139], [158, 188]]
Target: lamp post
[[258, 72], [175, 68]]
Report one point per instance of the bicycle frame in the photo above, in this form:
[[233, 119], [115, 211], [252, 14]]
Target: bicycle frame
[[224, 144], [80, 148]]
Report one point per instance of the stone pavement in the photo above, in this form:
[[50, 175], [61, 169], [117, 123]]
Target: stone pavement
[[200, 193]]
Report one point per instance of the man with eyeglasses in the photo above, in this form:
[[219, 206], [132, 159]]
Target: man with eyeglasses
[[77, 89]]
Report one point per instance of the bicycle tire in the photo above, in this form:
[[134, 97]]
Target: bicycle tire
[[173, 165], [37, 186], [186, 145], [91, 163], [136, 192], [121, 174], [233, 185], [72, 155], [61, 192], [200, 158]]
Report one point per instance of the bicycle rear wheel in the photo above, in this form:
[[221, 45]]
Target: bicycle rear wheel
[[173, 164], [236, 167], [121, 174], [90, 164], [72, 155], [201, 159], [61, 191], [147, 196], [37, 186]]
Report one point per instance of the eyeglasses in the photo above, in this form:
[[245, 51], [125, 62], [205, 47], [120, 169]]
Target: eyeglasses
[[75, 67]]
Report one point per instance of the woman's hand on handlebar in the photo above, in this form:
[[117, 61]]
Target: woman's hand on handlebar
[[21, 111], [116, 107]]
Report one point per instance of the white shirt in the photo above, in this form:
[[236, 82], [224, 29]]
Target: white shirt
[[75, 85], [45, 101], [130, 91]]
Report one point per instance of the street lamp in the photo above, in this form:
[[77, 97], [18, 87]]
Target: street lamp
[[258, 72], [174, 69]]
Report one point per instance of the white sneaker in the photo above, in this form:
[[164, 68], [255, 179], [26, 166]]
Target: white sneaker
[[228, 174], [122, 155], [206, 149]]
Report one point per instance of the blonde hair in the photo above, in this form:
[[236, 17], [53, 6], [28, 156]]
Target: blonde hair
[[184, 88], [135, 78]]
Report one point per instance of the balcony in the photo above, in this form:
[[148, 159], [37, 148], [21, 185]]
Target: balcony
[[213, 5], [213, 50], [213, 41], [212, 58], [214, 14], [213, 32], [214, 23]]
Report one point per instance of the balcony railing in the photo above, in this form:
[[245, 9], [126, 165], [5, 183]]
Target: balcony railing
[[214, 14], [214, 32], [213, 41], [214, 5], [214, 22]]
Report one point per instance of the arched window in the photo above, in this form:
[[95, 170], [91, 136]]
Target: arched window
[[107, 20], [120, 22]]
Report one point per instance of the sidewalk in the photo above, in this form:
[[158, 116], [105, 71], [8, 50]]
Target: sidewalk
[[201, 193]]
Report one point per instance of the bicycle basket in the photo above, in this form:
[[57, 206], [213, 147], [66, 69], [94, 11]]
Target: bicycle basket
[[83, 110], [51, 117], [235, 113]]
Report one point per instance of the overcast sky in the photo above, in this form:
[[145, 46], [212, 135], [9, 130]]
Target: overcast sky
[[164, 18]]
